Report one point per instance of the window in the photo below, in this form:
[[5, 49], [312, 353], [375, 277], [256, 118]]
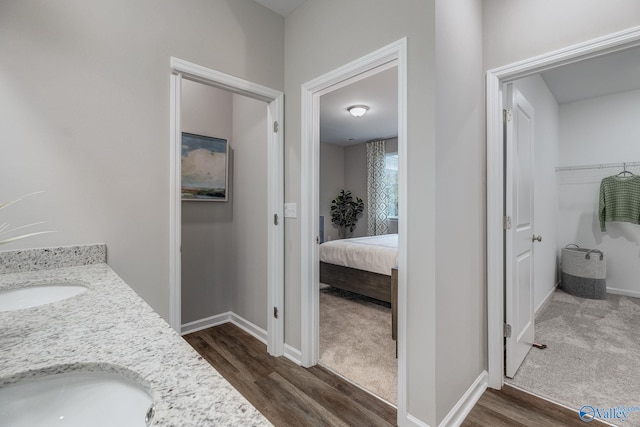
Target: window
[[391, 181]]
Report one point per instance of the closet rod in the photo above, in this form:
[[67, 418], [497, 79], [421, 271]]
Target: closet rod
[[598, 166]]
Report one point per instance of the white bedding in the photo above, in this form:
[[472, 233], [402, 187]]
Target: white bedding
[[378, 254]]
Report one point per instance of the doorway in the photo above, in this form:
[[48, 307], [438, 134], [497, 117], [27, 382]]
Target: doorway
[[394, 54], [586, 132], [496, 79], [359, 155], [274, 248]]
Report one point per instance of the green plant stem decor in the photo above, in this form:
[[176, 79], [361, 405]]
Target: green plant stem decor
[[5, 227], [345, 211]]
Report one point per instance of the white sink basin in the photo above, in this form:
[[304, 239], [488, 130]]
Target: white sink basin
[[32, 296], [94, 399]]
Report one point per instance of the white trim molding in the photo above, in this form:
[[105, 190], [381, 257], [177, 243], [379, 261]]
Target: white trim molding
[[220, 319], [624, 292], [392, 55], [250, 328], [459, 412], [275, 187], [293, 354], [546, 299], [175, 209], [462, 408], [207, 322], [495, 79], [275, 232], [415, 422]]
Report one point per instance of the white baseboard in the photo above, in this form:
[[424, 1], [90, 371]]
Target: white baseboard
[[624, 292], [250, 328], [219, 319], [205, 323], [458, 413], [293, 354], [414, 422], [546, 299], [615, 291]]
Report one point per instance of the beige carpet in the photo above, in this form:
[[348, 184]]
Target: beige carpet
[[592, 355], [355, 341]]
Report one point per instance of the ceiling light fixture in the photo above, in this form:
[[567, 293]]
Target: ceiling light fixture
[[358, 110]]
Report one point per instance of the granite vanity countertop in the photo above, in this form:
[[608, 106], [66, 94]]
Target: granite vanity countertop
[[110, 328]]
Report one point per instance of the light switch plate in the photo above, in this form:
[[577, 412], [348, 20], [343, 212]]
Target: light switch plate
[[290, 210]]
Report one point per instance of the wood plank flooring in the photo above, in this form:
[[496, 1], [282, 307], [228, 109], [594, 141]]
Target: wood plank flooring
[[289, 395], [285, 393], [513, 407]]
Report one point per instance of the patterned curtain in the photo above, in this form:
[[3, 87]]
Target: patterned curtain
[[376, 189]]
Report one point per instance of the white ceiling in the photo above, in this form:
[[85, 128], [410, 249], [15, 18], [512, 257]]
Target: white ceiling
[[281, 7], [604, 75], [379, 92]]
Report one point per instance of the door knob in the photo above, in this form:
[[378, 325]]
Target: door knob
[[538, 238]]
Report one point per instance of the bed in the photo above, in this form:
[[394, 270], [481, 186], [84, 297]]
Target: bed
[[363, 265]]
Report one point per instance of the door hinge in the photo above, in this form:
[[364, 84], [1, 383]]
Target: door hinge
[[507, 115], [507, 330], [275, 126], [506, 222], [317, 240], [275, 219], [275, 312]]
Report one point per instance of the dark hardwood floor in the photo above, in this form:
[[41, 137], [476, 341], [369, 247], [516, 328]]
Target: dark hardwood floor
[[285, 393], [513, 407], [289, 395]]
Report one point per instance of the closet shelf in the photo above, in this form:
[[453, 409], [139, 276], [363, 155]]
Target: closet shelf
[[598, 166]]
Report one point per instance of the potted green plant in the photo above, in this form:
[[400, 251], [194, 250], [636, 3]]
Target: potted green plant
[[344, 212]]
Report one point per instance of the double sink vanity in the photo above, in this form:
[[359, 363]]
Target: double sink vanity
[[79, 347]]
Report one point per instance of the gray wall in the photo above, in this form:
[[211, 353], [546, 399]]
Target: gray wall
[[599, 130], [355, 179], [85, 112], [346, 167], [312, 51], [250, 216], [517, 30], [460, 202], [206, 226], [224, 244], [509, 31], [331, 182]]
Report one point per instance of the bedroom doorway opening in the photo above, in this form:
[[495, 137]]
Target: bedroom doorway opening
[[316, 94], [242, 114], [359, 159]]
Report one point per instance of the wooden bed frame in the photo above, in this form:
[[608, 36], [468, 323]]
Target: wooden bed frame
[[374, 285]]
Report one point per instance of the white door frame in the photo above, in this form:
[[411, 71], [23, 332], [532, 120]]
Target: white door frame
[[275, 189], [394, 54], [495, 80]]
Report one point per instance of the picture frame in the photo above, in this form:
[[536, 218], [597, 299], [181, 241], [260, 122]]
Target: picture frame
[[205, 168]]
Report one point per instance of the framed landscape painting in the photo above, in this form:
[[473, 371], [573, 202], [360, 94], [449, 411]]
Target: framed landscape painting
[[205, 168]]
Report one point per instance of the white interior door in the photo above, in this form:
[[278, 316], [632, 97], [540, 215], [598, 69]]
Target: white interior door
[[519, 316]]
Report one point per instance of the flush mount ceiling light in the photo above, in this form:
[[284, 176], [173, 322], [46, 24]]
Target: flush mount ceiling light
[[358, 110]]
